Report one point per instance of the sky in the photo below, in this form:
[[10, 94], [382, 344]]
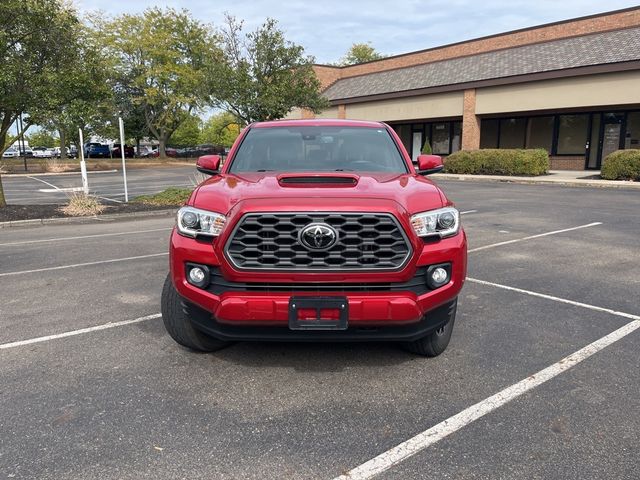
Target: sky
[[327, 28]]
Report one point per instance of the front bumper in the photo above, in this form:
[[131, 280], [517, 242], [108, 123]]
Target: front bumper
[[396, 314], [428, 323]]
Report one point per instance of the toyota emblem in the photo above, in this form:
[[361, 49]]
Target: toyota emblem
[[318, 236]]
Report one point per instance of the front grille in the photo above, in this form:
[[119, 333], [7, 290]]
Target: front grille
[[219, 285], [366, 241]]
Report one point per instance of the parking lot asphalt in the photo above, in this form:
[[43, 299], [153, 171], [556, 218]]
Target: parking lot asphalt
[[108, 185], [127, 402]]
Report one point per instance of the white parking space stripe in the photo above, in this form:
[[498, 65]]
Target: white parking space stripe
[[555, 299], [468, 211], [65, 189], [530, 237], [72, 333], [81, 237], [47, 183], [445, 428], [86, 264], [410, 447]]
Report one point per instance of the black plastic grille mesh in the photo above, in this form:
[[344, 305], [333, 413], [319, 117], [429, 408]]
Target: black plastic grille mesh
[[366, 241]]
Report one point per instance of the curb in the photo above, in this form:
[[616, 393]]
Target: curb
[[93, 219], [524, 181]]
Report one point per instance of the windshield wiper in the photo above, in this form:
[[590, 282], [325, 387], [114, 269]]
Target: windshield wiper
[[343, 170], [265, 170]]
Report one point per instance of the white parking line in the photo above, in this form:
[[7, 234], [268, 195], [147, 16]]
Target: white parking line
[[71, 333], [64, 189], [47, 183], [555, 299], [76, 265], [530, 237], [468, 211], [410, 447], [81, 237]]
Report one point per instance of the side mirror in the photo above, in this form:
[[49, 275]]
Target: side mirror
[[428, 164], [209, 164]]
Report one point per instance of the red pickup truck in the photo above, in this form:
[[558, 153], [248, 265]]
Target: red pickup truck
[[316, 230]]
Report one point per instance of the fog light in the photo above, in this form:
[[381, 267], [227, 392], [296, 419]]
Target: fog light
[[198, 275], [439, 276]]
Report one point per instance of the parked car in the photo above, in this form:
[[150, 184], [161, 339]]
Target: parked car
[[26, 152], [171, 152], [96, 150], [42, 152], [10, 153], [71, 152], [316, 231], [129, 152]]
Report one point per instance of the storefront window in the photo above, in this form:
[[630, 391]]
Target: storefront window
[[572, 134], [404, 132], [456, 139], [440, 138], [512, 132], [540, 133], [632, 137], [489, 133]]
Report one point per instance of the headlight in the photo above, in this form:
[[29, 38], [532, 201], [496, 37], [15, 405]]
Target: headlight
[[443, 222], [193, 222]]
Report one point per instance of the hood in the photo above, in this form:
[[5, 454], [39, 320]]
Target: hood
[[222, 192]]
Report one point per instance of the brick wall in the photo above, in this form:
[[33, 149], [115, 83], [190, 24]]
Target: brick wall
[[470, 122], [572, 28], [567, 163]]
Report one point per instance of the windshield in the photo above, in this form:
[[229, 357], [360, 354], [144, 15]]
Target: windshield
[[318, 149]]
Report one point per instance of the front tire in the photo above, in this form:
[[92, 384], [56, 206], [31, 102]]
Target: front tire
[[176, 316], [436, 342]]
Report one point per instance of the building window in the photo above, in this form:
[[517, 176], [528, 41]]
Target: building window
[[489, 133], [404, 132], [456, 137], [572, 134], [440, 138], [540, 133], [632, 137], [512, 132]]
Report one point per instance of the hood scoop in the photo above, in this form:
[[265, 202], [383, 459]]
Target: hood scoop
[[318, 180]]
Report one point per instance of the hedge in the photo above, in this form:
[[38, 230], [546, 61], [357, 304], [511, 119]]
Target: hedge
[[498, 162], [622, 165]]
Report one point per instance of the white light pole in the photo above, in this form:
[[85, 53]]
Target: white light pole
[[83, 166], [124, 168]]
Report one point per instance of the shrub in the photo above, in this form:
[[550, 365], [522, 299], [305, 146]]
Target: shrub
[[426, 148], [622, 165], [54, 166], [81, 205], [498, 162], [170, 197]]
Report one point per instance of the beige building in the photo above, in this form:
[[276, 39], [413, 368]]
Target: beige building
[[571, 87]]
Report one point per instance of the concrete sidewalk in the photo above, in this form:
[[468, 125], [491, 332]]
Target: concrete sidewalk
[[573, 178]]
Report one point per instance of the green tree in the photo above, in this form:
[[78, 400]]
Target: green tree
[[361, 53], [162, 58], [188, 133], [35, 47], [83, 98], [264, 76], [43, 138], [221, 129]]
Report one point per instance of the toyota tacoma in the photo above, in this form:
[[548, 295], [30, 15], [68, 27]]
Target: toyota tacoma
[[316, 230]]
